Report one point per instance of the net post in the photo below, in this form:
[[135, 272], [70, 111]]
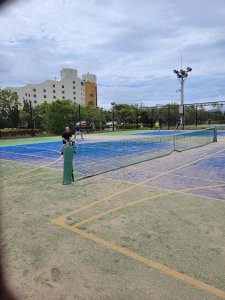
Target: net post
[[68, 176], [215, 135]]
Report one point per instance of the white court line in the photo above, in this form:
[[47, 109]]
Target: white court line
[[22, 154], [43, 149], [197, 178], [189, 177], [158, 188]]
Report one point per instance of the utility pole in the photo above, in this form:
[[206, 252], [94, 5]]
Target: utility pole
[[182, 75]]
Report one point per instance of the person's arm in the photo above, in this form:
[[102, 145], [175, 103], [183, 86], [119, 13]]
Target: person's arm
[[70, 137]]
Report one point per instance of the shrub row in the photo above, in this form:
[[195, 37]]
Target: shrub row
[[4, 133]]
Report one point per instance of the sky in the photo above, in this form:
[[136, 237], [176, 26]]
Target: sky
[[132, 46]]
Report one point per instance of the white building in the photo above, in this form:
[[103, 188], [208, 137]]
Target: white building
[[68, 87]]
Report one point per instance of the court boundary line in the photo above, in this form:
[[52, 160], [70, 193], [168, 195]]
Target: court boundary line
[[35, 175], [24, 154], [106, 198], [20, 162], [189, 177], [60, 221], [176, 175], [152, 263], [41, 149], [146, 261], [32, 170], [102, 214], [165, 189]]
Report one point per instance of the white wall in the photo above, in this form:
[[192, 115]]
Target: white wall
[[69, 87]]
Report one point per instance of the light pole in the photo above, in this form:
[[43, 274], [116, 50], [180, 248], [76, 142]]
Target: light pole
[[182, 75]]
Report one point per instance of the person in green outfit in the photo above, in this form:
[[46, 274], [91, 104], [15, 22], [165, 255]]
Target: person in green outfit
[[157, 125]]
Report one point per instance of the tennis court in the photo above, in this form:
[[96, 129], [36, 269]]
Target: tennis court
[[149, 225], [96, 155]]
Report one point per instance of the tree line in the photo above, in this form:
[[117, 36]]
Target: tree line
[[53, 117]]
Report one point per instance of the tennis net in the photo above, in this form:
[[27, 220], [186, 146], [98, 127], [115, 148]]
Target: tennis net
[[100, 157]]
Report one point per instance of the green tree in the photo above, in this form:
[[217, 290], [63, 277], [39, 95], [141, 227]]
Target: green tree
[[144, 115], [40, 113], [9, 109], [125, 114], [60, 113], [25, 115]]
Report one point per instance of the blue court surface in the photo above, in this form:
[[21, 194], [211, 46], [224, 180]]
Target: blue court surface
[[158, 133], [95, 157], [90, 157], [169, 132]]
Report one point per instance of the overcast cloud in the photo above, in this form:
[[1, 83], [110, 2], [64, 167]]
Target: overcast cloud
[[131, 45]]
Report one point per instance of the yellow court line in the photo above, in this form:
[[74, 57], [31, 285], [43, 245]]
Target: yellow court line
[[149, 262], [180, 176], [19, 162], [169, 190], [96, 202], [30, 176], [183, 176], [100, 215], [28, 171]]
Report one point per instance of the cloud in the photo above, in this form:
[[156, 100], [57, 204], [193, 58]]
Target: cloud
[[132, 46]]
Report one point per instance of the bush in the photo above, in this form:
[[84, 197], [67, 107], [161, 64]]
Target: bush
[[127, 126], [4, 133]]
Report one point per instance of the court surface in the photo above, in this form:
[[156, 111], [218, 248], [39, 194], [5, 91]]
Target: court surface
[[153, 230]]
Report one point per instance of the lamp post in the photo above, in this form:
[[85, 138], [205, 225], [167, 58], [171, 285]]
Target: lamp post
[[182, 75]]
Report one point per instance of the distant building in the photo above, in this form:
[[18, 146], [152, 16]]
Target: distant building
[[90, 89], [81, 91]]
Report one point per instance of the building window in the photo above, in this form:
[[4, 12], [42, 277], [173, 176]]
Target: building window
[[74, 87], [35, 96], [74, 98], [73, 82], [34, 90], [44, 90], [44, 96], [53, 85], [63, 97], [62, 86], [25, 94], [63, 92], [35, 101], [53, 91], [28, 95], [74, 93], [54, 97]]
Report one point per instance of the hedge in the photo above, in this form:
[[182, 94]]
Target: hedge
[[4, 133]]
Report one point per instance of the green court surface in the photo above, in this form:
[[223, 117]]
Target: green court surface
[[154, 230]]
